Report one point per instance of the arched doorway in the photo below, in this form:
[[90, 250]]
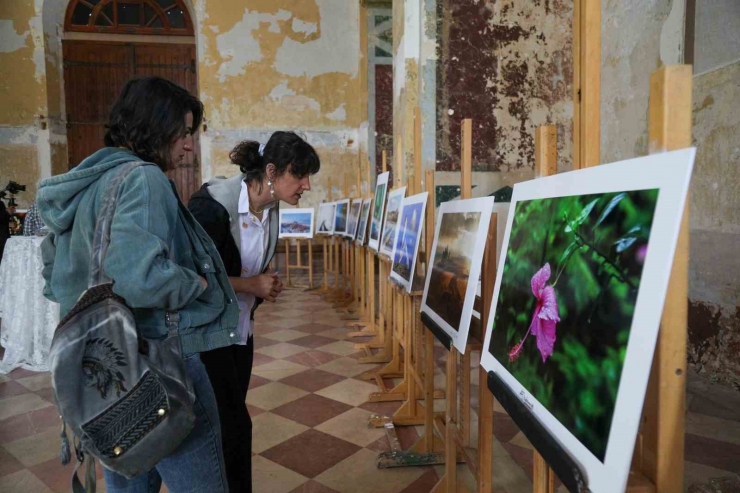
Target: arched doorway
[[96, 69]]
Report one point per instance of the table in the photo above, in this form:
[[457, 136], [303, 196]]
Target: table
[[28, 319]]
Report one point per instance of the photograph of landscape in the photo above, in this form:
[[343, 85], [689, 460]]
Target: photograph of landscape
[[451, 266], [340, 221], [395, 198], [298, 223]]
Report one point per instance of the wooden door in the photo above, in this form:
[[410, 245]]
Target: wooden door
[[95, 73]]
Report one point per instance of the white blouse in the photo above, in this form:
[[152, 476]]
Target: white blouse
[[254, 238]]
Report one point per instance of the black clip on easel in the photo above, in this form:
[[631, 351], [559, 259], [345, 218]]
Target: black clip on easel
[[566, 468], [440, 334]]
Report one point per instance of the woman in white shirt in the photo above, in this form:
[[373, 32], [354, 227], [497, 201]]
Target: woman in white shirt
[[240, 214]]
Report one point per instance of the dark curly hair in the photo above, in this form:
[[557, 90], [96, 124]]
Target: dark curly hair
[[148, 116], [286, 150]]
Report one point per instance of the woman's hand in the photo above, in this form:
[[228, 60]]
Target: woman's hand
[[203, 282], [267, 286]]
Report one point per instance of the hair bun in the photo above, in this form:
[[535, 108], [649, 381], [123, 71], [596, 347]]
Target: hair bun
[[247, 156]]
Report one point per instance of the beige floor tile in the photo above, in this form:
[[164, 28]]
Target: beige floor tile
[[520, 440], [507, 474], [278, 369], [23, 482], [288, 323], [269, 477], [338, 333], [273, 395], [346, 367], [270, 429], [3, 378], [352, 427], [340, 348], [710, 427], [21, 404], [281, 350], [352, 392], [498, 407], [36, 382], [359, 474], [285, 335], [35, 449]]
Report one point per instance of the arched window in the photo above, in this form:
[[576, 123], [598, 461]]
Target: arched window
[[129, 17]]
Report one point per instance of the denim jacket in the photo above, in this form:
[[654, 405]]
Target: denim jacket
[[157, 253]]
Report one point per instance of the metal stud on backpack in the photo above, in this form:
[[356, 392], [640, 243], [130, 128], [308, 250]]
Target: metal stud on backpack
[[127, 399]]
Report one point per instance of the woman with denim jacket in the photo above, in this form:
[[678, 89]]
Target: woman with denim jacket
[[241, 216], [159, 258]]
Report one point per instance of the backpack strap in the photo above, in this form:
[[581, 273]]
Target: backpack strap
[[101, 236]]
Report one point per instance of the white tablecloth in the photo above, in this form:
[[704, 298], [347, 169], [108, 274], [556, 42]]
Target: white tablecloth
[[28, 319]]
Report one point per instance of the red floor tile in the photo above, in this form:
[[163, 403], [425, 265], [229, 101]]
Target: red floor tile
[[300, 452], [312, 380], [311, 410], [504, 427], [712, 453], [261, 359], [8, 463], [313, 341], [257, 381], [312, 358], [424, 484], [11, 388]]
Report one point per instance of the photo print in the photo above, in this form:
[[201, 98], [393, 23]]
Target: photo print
[[408, 234], [364, 215], [340, 217], [378, 208], [296, 223], [457, 254], [325, 222], [578, 300], [390, 224], [354, 216]]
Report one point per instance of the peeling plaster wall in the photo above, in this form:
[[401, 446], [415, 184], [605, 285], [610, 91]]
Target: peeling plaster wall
[[637, 37], [24, 147], [714, 296], [267, 65], [508, 66]]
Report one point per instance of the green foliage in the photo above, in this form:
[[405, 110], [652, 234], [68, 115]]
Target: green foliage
[[595, 247]]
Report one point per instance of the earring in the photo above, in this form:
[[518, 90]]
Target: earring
[[272, 188]]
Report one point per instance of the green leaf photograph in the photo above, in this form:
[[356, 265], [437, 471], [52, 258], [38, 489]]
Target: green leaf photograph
[[566, 303]]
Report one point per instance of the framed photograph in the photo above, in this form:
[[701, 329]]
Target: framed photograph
[[354, 218], [296, 223], [457, 254], [364, 216], [340, 217], [576, 309], [376, 223], [325, 222], [406, 246], [390, 224]]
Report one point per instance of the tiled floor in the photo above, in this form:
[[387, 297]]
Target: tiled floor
[[310, 414]]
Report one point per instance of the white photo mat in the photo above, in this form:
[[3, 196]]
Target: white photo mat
[[390, 228], [325, 222], [413, 232], [342, 207], [501, 210], [483, 205], [670, 173], [364, 216], [377, 210], [289, 216]]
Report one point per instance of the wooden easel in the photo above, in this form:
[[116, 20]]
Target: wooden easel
[[299, 265], [326, 247], [381, 340], [366, 268], [340, 267], [455, 427]]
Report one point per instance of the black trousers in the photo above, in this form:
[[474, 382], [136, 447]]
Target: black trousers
[[229, 369]]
